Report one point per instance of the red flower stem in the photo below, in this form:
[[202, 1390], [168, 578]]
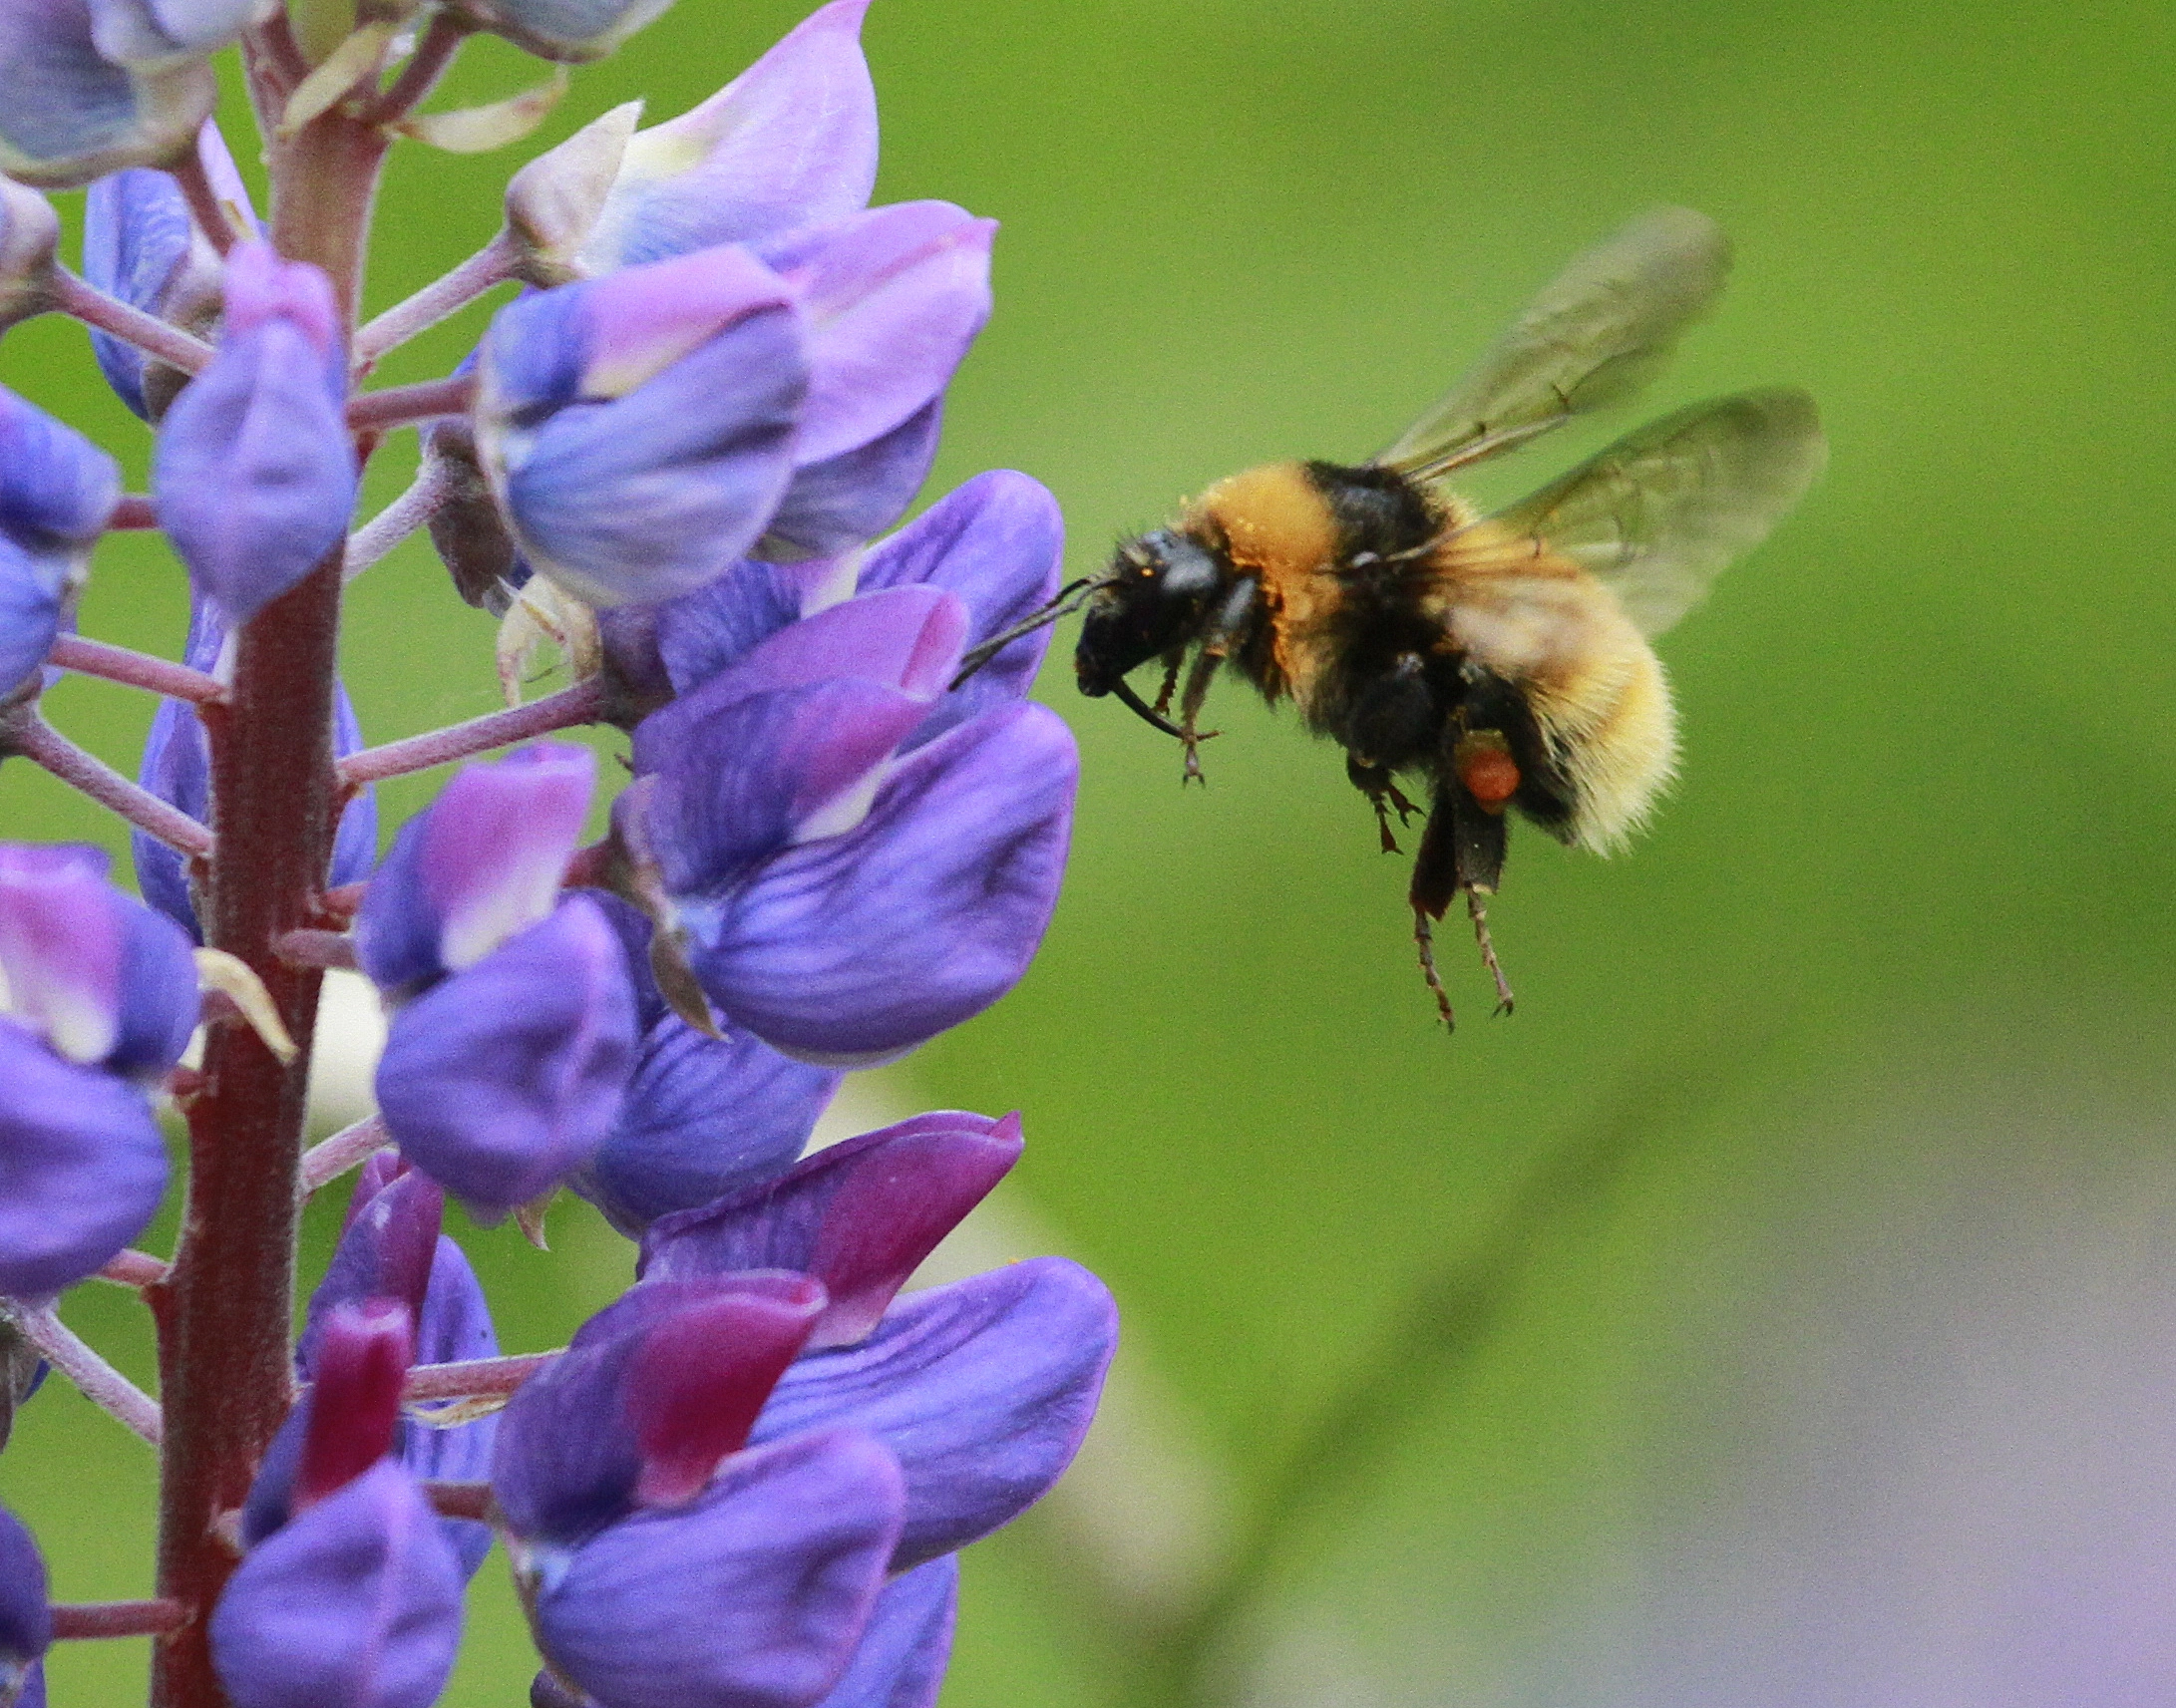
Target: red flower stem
[[399, 406], [411, 511], [45, 747], [212, 215], [460, 1500], [476, 1379], [95, 1379], [225, 1311], [421, 74], [329, 1158], [491, 265], [74, 1621], [147, 332], [133, 512], [137, 669], [582, 704], [133, 1269]]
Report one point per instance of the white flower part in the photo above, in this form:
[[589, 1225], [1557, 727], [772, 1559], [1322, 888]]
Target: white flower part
[[844, 810]]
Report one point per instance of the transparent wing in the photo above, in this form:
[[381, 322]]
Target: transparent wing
[[1657, 514], [1598, 332]]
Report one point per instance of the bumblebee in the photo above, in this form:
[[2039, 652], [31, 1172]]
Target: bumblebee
[[1501, 659]]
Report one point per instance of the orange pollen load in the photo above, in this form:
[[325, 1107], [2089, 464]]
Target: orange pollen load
[[1491, 775]]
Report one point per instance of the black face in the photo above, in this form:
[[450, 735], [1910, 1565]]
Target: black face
[[1162, 589]]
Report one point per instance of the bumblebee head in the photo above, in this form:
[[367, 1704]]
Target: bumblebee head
[[1155, 597]]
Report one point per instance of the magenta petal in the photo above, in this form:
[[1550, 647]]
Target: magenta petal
[[983, 1389], [752, 1597], [909, 638], [357, 1601], [858, 947], [791, 142], [82, 1166], [504, 1079], [859, 1217], [902, 1657]]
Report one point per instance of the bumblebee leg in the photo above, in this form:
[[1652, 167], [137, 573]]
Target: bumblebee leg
[[1424, 938], [1190, 711], [1172, 660], [1480, 913], [1383, 793]]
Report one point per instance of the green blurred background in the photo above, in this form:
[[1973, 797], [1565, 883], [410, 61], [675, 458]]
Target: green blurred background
[[1779, 1308]]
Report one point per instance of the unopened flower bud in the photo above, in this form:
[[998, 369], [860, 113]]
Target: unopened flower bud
[[57, 490], [570, 31], [553, 203], [30, 233], [70, 112]]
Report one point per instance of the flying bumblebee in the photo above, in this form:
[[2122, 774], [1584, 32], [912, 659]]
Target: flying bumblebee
[[1502, 658]]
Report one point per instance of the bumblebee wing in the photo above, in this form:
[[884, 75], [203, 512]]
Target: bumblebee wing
[[1657, 515], [1597, 333]]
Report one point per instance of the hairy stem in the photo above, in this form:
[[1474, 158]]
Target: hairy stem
[[80, 1619], [91, 306], [224, 1312], [30, 736], [584, 703], [411, 511], [491, 265], [478, 1378], [133, 1269], [400, 405], [331, 1158], [136, 669], [98, 1381], [421, 74]]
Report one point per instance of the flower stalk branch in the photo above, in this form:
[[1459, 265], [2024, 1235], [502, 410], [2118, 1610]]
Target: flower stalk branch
[[584, 703], [29, 736], [98, 1381]]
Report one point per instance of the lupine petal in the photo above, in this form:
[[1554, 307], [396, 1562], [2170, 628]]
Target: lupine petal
[[571, 31], [859, 946], [61, 946], [254, 471], [506, 1078], [901, 1661], [983, 1389], [833, 506], [859, 1217], [356, 1601], [752, 1597], [26, 1620], [30, 236], [456, 1326], [57, 490], [82, 1166], [68, 115], [909, 638], [640, 429], [571, 1455], [129, 32], [997, 542], [482, 862], [701, 633], [791, 142], [386, 1252], [892, 298], [360, 1359]]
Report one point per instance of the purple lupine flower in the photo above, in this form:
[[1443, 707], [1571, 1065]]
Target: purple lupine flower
[[70, 113], [841, 904], [891, 298], [704, 1116], [640, 429], [141, 244], [355, 1598], [571, 31], [909, 1638], [255, 471], [57, 491], [134, 32], [99, 990], [25, 1621], [30, 236], [507, 1062], [663, 1565], [178, 769], [791, 142]]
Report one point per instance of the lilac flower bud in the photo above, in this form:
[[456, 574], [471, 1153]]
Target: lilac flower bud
[[570, 31], [651, 1393], [140, 244], [752, 1596], [791, 142], [26, 1621], [57, 490], [504, 1079], [178, 769], [901, 1660], [82, 1166], [70, 113], [983, 1389], [640, 429], [30, 234], [131, 32], [255, 471], [858, 1216], [703, 1116], [554, 202], [107, 981], [482, 863]]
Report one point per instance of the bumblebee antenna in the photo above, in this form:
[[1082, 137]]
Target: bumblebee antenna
[[1067, 600]]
